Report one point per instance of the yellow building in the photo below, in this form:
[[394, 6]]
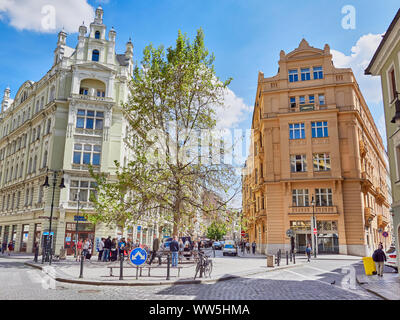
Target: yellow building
[[315, 148]]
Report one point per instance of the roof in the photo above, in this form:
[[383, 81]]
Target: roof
[[385, 37]]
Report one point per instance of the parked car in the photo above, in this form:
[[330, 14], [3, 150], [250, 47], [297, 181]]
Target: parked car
[[391, 256], [217, 245], [230, 248]]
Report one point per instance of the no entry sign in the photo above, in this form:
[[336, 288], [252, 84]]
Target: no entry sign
[[315, 230]]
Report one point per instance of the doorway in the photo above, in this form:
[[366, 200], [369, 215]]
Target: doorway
[[85, 231]]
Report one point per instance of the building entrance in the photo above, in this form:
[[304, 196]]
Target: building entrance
[[85, 231]]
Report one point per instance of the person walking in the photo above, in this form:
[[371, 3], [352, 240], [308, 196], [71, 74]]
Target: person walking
[[379, 257], [4, 247], [121, 248], [107, 249], [174, 247], [253, 246], [156, 247], [85, 249], [79, 250], [248, 247], [114, 252], [101, 249], [10, 248], [308, 252]]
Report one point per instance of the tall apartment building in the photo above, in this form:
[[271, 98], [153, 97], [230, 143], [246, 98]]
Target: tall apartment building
[[67, 120], [315, 148]]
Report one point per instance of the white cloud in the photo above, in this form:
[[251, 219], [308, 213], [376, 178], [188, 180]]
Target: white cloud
[[46, 16], [381, 125], [358, 60], [233, 112]]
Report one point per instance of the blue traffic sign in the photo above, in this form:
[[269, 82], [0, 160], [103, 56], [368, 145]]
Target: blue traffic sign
[[79, 218], [385, 234], [138, 256], [47, 233], [139, 228]]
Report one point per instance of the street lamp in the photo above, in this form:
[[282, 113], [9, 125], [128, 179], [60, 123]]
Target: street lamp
[[49, 241], [77, 198], [314, 226]]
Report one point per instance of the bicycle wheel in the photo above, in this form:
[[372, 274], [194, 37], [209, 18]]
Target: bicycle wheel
[[197, 270], [209, 268]]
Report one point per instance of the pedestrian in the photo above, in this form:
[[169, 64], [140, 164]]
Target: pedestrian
[[136, 244], [128, 246], [85, 249], [243, 246], [10, 248], [121, 248], [89, 250], [379, 257], [107, 249], [181, 248], [114, 252], [101, 249], [308, 252], [174, 247], [4, 247], [253, 246], [248, 247], [156, 247], [79, 250]]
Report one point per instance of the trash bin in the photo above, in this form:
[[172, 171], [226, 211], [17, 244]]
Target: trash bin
[[369, 266], [270, 260]]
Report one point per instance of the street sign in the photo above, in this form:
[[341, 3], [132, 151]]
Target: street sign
[[385, 234], [289, 233], [315, 230], [139, 228], [47, 233], [243, 233], [138, 256], [79, 218]]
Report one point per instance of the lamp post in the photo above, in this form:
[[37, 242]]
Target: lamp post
[[49, 242], [314, 226], [77, 198]]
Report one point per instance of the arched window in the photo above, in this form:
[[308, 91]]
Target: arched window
[[97, 35], [95, 55]]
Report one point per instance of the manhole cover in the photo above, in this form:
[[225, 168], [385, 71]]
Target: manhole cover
[[89, 291]]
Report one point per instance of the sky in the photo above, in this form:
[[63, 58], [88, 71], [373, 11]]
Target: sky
[[245, 36]]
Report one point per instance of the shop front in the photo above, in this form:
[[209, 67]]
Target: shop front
[[74, 231]]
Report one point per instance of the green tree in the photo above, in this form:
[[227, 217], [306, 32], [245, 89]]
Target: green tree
[[172, 103], [216, 231]]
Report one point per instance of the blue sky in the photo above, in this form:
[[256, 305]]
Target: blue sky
[[245, 35]]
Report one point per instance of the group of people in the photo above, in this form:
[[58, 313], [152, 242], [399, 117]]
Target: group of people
[[7, 249], [245, 246], [84, 248], [114, 249]]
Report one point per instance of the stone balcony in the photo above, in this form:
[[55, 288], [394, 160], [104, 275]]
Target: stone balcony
[[91, 98], [317, 210], [383, 221], [369, 215], [89, 132]]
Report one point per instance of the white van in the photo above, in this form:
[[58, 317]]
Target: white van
[[229, 248]]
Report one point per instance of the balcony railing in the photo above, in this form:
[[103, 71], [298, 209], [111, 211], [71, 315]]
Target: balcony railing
[[85, 167], [91, 98], [317, 210], [90, 132]]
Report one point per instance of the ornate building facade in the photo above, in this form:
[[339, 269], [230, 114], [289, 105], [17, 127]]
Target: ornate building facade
[[315, 151], [68, 120]]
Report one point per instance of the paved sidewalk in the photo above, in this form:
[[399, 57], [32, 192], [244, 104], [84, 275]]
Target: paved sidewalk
[[387, 287]]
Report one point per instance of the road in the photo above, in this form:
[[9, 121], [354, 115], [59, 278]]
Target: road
[[318, 280]]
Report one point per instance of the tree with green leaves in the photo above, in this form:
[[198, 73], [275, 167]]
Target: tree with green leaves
[[171, 115], [217, 230]]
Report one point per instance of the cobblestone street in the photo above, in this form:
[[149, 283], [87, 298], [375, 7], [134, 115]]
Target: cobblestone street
[[318, 280]]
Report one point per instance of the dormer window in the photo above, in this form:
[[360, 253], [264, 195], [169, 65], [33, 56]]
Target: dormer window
[[97, 35], [95, 55]]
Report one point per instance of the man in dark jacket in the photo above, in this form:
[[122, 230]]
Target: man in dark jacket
[[156, 247], [379, 257], [107, 248], [174, 247]]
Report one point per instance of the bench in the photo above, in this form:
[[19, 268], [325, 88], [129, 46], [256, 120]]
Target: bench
[[144, 267]]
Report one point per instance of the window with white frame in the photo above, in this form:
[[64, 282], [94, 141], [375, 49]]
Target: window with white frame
[[87, 154], [318, 73], [311, 98], [292, 102], [293, 75], [322, 162], [319, 129], [298, 163], [296, 131], [323, 197], [85, 189], [305, 74], [302, 99], [321, 99], [300, 197], [101, 93], [89, 119]]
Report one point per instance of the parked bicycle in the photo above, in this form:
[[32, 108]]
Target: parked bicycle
[[204, 265]]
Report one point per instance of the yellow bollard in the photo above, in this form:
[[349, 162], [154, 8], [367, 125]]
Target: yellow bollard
[[369, 266]]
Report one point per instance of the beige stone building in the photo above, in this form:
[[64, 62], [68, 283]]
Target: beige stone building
[[315, 148]]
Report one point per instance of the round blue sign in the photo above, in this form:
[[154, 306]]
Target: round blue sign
[[138, 256]]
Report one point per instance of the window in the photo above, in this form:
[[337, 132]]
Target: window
[[85, 189], [101, 93], [48, 126], [323, 197], [321, 99], [319, 129], [40, 197], [293, 75], [89, 119], [300, 197], [44, 159], [87, 154], [311, 98], [296, 131], [298, 163], [305, 74], [318, 73], [392, 80], [84, 91], [95, 55], [97, 35], [302, 99], [292, 102], [322, 162]]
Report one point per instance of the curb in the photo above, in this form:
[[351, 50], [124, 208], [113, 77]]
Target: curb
[[370, 291], [179, 282]]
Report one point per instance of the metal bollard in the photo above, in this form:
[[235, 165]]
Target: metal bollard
[[287, 258], [278, 258], [168, 266], [294, 258], [291, 254], [214, 251], [36, 254], [81, 272], [121, 267]]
